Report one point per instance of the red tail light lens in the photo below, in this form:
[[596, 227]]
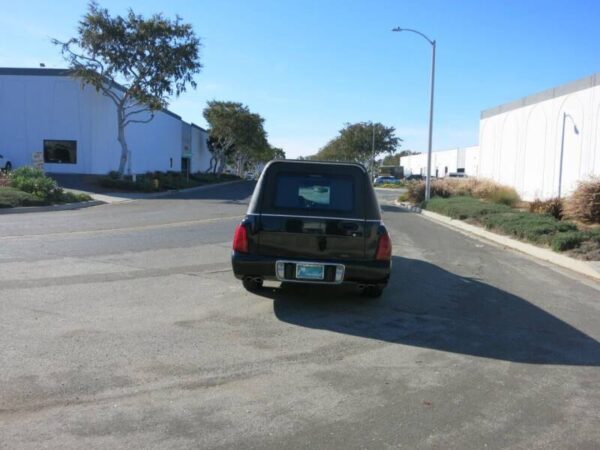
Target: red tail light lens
[[240, 239], [384, 248]]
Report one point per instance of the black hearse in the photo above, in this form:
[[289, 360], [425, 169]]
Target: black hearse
[[313, 222]]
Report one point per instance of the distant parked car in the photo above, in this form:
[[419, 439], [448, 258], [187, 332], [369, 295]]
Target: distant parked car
[[385, 180], [5, 165], [415, 177], [456, 175], [250, 176]]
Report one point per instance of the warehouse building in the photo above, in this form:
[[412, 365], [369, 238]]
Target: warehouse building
[[545, 143], [541, 145], [457, 160], [47, 112]]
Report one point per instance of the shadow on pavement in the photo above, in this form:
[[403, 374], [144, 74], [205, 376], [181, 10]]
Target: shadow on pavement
[[233, 193], [391, 208], [427, 306]]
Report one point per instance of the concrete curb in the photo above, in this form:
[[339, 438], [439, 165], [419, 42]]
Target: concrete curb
[[64, 207], [575, 265], [120, 197]]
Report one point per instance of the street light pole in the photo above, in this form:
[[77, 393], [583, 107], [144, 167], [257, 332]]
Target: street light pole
[[429, 145], [562, 149]]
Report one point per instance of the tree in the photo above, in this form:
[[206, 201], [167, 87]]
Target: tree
[[138, 63], [237, 135], [394, 160], [277, 153], [355, 143]]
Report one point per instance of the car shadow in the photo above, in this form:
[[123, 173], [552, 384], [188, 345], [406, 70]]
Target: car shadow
[[427, 306]]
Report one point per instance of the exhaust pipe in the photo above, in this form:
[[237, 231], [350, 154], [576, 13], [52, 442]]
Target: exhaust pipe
[[257, 279]]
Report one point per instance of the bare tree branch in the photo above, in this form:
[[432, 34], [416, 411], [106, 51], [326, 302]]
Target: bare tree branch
[[139, 111], [127, 122]]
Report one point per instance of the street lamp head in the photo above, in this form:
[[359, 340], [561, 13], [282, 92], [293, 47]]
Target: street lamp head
[[397, 29]]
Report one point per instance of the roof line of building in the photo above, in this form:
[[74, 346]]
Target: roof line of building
[[199, 127], [548, 94], [42, 71]]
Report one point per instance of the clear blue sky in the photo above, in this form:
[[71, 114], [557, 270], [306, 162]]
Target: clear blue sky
[[310, 66]]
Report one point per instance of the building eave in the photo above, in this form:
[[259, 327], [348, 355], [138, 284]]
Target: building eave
[[548, 94]]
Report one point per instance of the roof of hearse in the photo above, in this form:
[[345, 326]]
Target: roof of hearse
[[366, 204]]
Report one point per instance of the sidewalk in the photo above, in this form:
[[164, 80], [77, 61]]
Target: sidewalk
[[590, 269], [108, 198]]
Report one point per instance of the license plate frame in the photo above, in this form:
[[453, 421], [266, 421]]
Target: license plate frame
[[310, 271]]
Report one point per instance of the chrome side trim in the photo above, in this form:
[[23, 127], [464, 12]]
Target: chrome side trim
[[314, 217]]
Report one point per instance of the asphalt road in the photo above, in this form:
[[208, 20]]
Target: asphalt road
[[121, 326]]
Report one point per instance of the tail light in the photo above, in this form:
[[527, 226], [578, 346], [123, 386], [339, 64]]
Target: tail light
[[240, 239], [384, 247]]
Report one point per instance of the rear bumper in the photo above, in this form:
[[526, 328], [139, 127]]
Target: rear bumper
[[362, 272]]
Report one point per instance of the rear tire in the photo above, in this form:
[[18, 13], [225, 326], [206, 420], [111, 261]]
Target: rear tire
[[252, 284], [372, 291]]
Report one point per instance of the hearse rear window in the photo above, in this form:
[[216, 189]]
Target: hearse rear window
[[314, 192]]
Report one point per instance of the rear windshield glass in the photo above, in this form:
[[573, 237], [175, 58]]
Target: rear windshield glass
[[314, 192]]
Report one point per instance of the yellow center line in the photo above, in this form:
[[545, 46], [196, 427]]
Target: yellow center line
[[123, 230]]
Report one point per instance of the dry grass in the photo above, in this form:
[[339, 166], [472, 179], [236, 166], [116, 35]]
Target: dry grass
[[470, 187], [4, 180], [553, 207], [584, 203]]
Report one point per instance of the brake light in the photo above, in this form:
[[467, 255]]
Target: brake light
[[384, 248], [240, 239]]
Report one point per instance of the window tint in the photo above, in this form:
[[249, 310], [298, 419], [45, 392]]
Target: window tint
[[314, 192], [60, 152]]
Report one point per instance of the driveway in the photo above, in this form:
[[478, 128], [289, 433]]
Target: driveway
[[123, 327]]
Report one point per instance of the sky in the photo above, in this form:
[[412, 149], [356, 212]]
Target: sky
[[311, 66]]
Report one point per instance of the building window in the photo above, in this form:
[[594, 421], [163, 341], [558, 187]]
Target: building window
[[60, 152]]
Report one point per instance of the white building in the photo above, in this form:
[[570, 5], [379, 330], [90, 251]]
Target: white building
[[456, 160], [521, 141], [45, 110]]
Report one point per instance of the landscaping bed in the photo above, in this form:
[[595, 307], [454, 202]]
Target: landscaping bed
[[160, 181], [28, 186], [499, 209]]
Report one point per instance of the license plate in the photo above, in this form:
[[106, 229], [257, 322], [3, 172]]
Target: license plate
[[310, 271]]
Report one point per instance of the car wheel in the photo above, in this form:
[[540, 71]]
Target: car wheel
[[372, 291], [252, 284]]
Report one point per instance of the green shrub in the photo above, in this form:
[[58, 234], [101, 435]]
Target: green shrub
[[73, 197], [127, 184], [11, 197], [553, 207], [464, 207], [160, 181], [584, 203], [532, 227], [32, 180], [568, 240], [403, 197]]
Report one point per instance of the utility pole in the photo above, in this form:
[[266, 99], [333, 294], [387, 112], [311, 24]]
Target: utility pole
[[373, 149]]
